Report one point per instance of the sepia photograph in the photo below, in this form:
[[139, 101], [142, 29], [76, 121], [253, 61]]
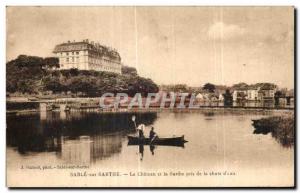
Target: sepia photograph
[[150, 96]]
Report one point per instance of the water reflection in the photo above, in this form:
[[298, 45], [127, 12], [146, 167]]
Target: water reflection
[[152, 147], [86, 149], [141, 150], [77, 137], [98, 140], [105, 146], [284, 139], [209, 115], [76, 151]]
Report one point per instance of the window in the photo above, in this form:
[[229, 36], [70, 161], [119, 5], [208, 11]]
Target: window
[[67, 53], [72, 59], [72, 53], [77, 59], [77, 53], [67, 59]]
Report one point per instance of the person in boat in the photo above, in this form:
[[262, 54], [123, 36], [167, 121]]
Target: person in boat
[[140, 129], [152, 134]]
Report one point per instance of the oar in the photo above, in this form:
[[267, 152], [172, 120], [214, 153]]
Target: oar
[[133, 119], [153, 139]]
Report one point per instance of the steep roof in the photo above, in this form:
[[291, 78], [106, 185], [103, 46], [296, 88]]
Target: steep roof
[[85, 45], [253, 87], [71, 46], [240, 86], [268, 86], [258, 86]]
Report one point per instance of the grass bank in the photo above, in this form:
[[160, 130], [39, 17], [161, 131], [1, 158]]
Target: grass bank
[[281, 127]]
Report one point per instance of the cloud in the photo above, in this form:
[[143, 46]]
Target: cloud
[[220, 30]]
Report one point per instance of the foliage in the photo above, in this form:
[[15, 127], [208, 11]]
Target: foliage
[[51, 62], [240, 85], [27, 74], [228, 99], [281, 128], [129, 71], [182, 88], [209, 87]]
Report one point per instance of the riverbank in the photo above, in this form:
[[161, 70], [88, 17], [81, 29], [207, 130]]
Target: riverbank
[[278, 111], [281, 128]]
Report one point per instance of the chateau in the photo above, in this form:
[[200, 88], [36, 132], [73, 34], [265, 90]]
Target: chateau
[[87, 55]]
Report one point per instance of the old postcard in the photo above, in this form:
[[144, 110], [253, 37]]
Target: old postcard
[[150, 96]]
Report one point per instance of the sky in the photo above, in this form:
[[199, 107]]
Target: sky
[[170, 45]]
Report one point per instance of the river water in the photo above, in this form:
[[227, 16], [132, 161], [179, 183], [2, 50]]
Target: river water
[[222, 150]]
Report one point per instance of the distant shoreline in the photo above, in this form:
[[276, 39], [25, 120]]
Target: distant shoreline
[[23, 105], [136, 110]]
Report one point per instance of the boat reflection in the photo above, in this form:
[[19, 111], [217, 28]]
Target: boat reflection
[[141, 150], [152, 147]]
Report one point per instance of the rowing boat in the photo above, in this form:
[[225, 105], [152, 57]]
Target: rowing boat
[[168, 141]]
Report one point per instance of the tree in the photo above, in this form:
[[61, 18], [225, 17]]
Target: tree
[[31, 74], [52, 83], [209, 87], [24, 73], [228, 99], [51, 62], [240, 85], [140, 85], [129, 70], [74, 72], [180, 88]]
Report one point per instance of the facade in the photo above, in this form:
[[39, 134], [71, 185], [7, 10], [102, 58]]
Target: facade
[[258, 92], [221, 97], [252, 92], [199, 96], [239, 94], [266, 92], [87, 55]]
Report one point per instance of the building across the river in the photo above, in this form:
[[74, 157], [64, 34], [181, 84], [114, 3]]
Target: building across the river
[[85, 55], [256, 92]]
